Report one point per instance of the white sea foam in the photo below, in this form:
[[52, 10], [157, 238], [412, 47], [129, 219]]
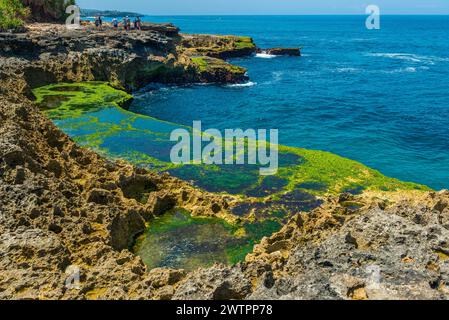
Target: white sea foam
[[265, 55], [347, 70], [242, 85], [399, 56], [363, 39], [406, 70], [415, 58], [409, 69]]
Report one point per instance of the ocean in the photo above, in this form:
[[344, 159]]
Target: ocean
[[380, 97]]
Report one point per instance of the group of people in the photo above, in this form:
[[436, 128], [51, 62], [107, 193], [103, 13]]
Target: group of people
[[126, 23]]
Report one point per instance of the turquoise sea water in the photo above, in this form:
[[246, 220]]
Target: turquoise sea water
[[380, 97]]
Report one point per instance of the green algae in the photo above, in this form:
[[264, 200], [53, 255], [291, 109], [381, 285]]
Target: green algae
[[178, 240], [90, 113], [244, 43], [201, 63], [77, 100], [209, 64]]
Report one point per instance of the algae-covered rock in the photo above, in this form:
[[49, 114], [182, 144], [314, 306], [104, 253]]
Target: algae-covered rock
[[218, 70], [217, 46]]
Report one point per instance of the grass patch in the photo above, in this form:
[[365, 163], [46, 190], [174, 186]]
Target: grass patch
[[244, 43], [12, 15], [201, 63]]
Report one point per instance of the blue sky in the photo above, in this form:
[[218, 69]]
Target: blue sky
[[224, 7]]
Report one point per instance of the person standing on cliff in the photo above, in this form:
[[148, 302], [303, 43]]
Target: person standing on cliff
[[125, 23], [115, 23], [139, 23]]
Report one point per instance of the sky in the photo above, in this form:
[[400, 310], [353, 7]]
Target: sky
[[267, 7]]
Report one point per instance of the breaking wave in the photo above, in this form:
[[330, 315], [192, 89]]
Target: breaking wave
[[410, 57], [265, 55], [242, 85]]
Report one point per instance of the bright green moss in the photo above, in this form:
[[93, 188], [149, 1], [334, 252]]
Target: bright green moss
[[208, 64], [90, 113], [245, 43], [339, 174], [201, 63], [178, 240], [75, 99]]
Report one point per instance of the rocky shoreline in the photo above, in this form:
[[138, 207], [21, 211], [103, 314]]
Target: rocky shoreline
[[62, 205]]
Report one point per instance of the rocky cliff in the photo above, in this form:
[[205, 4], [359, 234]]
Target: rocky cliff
[[51, 53], [65, 207]]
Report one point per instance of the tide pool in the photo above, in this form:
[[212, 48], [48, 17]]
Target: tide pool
[[91, 115]]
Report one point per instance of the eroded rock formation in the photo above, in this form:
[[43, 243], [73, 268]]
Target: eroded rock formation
[[64, 208]]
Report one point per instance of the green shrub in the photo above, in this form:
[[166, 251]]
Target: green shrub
[[12, 14]]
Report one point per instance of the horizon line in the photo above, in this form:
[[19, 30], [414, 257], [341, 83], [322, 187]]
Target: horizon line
[[278, 14]]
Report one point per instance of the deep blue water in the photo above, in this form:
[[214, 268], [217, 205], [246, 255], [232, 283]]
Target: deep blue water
[[380, 97]]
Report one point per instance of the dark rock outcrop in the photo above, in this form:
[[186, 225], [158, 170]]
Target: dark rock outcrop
[[281, 51]]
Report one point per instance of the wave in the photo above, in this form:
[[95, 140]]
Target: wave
[[265, 55], [241, 85], [362, 39], [348, 69], [407, 70], [410, 57], [399, 56]]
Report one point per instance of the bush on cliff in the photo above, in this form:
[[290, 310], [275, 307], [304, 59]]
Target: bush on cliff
[[12, 15]]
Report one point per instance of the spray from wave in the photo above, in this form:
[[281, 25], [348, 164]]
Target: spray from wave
[[264, 55], [241, 85], [410, 57]]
